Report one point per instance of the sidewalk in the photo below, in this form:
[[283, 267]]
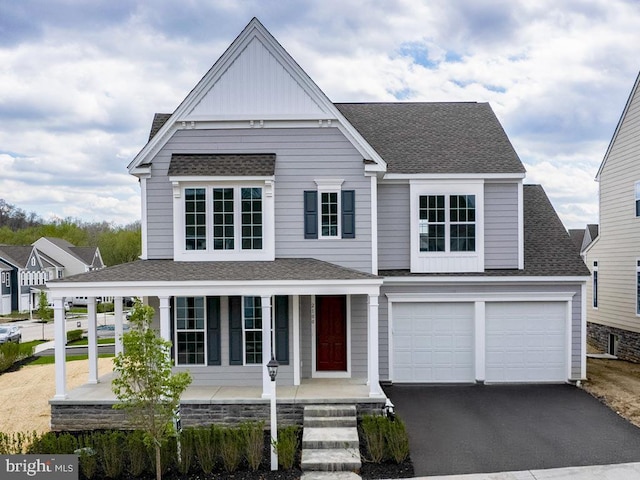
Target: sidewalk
[[623, 471]]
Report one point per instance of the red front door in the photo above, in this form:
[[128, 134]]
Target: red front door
[[331, 333]]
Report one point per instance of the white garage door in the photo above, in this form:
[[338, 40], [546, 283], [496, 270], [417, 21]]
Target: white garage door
[[526, 342], [433, 342]]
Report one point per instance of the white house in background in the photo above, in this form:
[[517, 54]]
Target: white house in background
[[358, 242], [6, 286], [75, 259], [613, 300], [31, 266]]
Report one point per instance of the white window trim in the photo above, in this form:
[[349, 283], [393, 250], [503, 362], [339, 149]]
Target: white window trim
[[637, 299], [268, 220], [636, 195], [203, 330], [329, 185], [447, 261], [595, 285]]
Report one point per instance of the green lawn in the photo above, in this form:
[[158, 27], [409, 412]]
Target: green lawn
[[50, 359], [85, 341]]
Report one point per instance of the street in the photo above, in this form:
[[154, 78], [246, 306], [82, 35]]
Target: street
[[34, 330]]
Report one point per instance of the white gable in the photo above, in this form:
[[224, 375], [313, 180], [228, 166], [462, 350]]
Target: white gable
[[255, 83]]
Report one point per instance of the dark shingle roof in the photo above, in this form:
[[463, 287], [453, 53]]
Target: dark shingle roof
[[159, 119], [86, 254], [548, 249], [593, 230], [577, 237], [435, 137], [287, 269], [4, 266], [263, 164], [17, 255]]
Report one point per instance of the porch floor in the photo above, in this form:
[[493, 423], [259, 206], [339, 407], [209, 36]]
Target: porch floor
[[316, 390]]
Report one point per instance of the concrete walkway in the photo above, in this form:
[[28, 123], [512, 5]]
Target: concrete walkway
[[623, 471]]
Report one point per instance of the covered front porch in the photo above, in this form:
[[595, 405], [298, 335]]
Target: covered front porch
[[227, 319]]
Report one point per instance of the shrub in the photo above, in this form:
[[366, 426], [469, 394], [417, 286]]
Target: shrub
[[207, 446], [231, 448], [9, 354], [287, 446], [372, 429], [73, 335], [54, 444], [15, 443], [253, 440], [187, 449], [109, 446], [397, 440], [103, 307], [138, 453], [87, 457]]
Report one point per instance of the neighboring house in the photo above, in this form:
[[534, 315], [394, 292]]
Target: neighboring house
[[31, 266], [5, 288], [613, 301], [357, 242], [75, 259], [582, 237]]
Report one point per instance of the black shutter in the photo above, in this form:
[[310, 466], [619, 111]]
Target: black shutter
[[213, 331], [348, 214], [235, 331], [172, 330], [310, 214], [282, 329]]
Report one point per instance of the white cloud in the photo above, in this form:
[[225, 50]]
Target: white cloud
[[84, 81]]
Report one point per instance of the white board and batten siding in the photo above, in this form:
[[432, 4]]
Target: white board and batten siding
[[617, 249], [302, 156], [483, 336]]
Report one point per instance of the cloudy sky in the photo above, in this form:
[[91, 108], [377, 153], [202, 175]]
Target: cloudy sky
[[80, 81]]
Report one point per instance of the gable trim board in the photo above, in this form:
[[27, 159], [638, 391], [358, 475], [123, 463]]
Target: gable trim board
[[475, 344], [181, 117]]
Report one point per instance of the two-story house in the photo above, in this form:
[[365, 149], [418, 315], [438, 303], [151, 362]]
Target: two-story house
[[613, 300], [31, 266], [357, 243], [6, 287]]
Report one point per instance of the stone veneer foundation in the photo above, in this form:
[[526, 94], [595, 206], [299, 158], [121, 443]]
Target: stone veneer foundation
[[80, 416], [628, 347]]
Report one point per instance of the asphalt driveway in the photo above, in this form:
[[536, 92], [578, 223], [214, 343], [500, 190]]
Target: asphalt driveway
[[481, 429]]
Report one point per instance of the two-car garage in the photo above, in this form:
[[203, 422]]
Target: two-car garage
[[492, 341]]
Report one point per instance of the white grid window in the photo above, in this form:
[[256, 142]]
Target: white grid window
[[223, 221], [252, 330], [190, 320], [195, 205], [251, 218], [329, 214]]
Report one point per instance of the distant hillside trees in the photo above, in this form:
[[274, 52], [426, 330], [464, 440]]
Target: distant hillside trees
[[118, 244]]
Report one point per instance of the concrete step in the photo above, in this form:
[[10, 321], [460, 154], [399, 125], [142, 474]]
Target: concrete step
[[330, 476], [330, 410], [327, 437], [329, 422], [331, 459]]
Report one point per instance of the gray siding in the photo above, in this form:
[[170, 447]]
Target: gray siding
[[501, 225], [305, 336], [393, 226], [576, 319], [302, 155], [359, 364]]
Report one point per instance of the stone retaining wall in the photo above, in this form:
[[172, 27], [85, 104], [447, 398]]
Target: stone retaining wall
[[628, 342], [79, 417]]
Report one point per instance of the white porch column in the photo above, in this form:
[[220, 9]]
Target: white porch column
[[60, 340], [117, 312], [92, 334], [165, 318], [266, 346], [295, 308], [372, 348], [480, 346]]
